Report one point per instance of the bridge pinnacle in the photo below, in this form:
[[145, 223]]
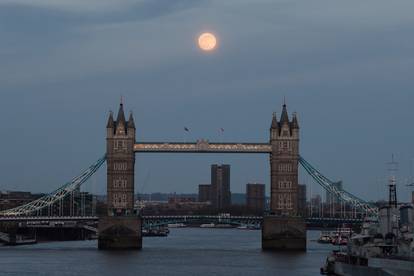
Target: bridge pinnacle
[[274, 121], [131, 123], [121, 115], [295, 121], [110, 123], [284, 118]]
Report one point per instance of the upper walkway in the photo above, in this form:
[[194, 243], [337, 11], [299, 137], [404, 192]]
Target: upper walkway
[[203, 146]]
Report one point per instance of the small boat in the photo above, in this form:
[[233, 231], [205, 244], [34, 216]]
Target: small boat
[[340, 240], [341, 236], [207, 225], [224, 225], [156, 232], [176, 225], [249, 227], [325, 237]]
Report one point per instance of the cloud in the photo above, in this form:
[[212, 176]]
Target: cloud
[[79, 6]]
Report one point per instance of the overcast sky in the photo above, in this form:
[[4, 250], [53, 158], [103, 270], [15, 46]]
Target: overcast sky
[[346, 68]]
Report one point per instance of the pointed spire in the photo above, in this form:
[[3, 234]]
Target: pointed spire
[[131, 123], [274, 125], [121, 115], [284, 118], [295, 121], [110, 123]]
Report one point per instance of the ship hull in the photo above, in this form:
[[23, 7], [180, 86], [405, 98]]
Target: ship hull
[[376, 267]]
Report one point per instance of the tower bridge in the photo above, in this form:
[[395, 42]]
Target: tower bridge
[[121, 227]]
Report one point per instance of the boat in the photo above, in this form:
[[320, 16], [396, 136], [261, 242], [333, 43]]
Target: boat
[[16, 239], [155, 232], [325, 237], [176, 225], [207, 225], [248, 227], [223, 225], [385, 245]]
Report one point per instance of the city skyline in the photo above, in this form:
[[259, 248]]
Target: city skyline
[[352, 89]]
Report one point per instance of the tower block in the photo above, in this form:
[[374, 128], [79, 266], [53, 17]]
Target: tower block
[[283, 228], [121, 228]]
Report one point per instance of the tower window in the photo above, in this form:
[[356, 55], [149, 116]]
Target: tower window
[[120, 166]]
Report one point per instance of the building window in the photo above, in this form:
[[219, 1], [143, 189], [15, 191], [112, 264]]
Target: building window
[[120, 182], [284, 146], [284, 184], [285, 167], [119, 200], [284, 201], [120, 145], [120, 166]]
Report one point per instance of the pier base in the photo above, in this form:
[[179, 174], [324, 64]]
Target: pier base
[[123, 232], [283, 233]]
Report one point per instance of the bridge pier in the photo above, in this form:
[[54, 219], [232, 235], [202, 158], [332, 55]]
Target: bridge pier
[[283, 233], [122, 232]]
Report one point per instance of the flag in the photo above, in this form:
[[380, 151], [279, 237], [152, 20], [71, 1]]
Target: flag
[[186, 129]]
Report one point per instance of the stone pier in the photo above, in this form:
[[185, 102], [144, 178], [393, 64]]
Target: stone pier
[[283, 233], [120, 232]]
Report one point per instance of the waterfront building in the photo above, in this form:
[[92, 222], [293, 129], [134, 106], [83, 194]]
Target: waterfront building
[[220, 186], [204, 192], [302, 199], [12, 199], [255, 197]]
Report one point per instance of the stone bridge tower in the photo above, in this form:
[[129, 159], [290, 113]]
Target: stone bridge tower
[[120, 140], [284, 138], [283, 229], [121, 228]]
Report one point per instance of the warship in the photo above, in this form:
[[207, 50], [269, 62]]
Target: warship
[[385, 245]]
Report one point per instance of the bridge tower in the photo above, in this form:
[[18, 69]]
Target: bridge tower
[[283, 229], [284, 161], [120, 158], [121, 228]]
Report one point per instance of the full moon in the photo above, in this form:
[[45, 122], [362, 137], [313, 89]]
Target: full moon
[[207, 42]]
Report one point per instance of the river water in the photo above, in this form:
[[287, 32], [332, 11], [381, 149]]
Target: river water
[[186, 251]]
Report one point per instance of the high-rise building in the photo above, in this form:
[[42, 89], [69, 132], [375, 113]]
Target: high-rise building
[[220, 186], [331, 198], [255, 197], [284, 139], [302, 199], [204, 192]]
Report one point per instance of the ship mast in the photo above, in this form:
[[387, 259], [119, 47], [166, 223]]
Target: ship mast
[[392, 187]]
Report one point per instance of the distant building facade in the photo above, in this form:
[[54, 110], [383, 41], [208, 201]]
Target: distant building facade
[[331, 198], [255, 197], [302, 199], [204, 192], [76, 204], [220, 186], [11, 199]]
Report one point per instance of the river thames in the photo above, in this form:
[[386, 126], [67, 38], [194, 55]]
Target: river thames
[[186, 251]]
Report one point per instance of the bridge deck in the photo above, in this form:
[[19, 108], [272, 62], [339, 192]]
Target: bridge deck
[[203, 146]]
